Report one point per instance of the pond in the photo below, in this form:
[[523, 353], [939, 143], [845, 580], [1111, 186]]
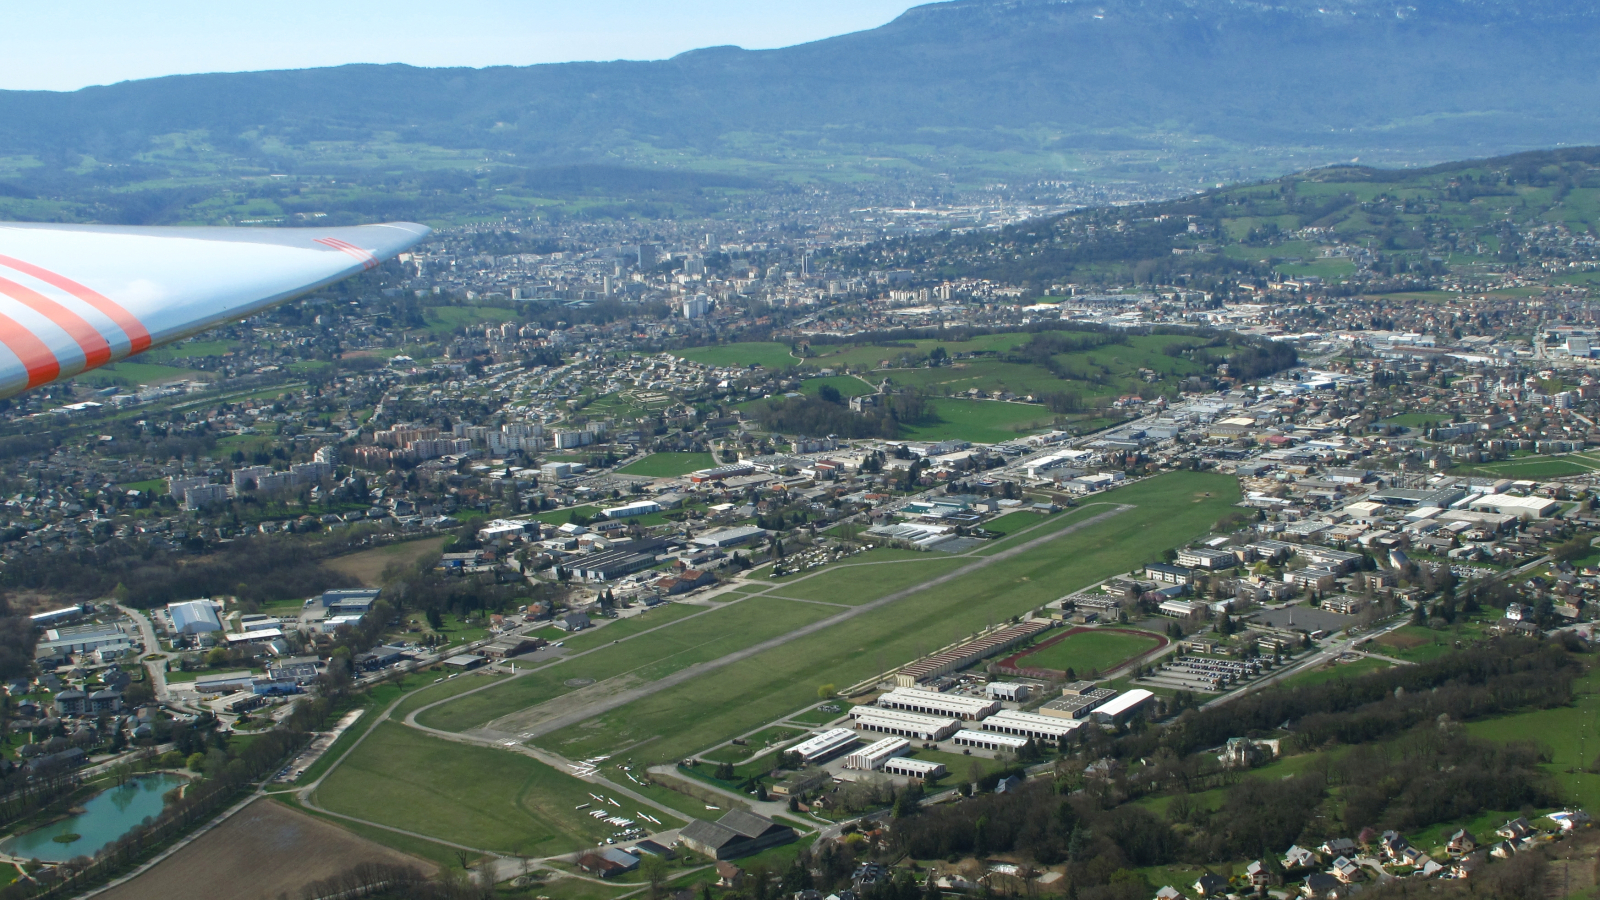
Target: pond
[[106, 816]]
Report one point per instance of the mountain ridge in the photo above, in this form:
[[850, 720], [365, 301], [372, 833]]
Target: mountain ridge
[[1277, 83]]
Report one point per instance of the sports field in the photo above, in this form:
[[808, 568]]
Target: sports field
[[470, 795], [1089, 651], [736, 698], [750, 353], [668, 465]]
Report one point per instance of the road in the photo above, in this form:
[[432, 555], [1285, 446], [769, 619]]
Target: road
[[147, 634], [1328, 653]]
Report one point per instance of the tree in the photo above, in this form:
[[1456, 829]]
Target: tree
[[654, 870], [826, 691]]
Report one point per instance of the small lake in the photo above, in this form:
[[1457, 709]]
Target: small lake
[[106, 816]]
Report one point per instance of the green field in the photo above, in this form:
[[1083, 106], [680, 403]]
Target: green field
[[766, 355], [736, 698], [1090, 651], [1323, 674], [621, 628], [484, 798], [1418, 420], [563, 516], [846, 385], [980, 421], [723, 630], [1569, 732], [1013, 521], [853, 584], [129, 374], [443, 320], [1536, 467], [668, 465]]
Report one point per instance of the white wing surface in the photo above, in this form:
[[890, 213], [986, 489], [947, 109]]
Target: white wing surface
[[75, 297]]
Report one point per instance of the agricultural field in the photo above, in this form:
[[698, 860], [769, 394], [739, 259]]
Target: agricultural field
[[1089, 651], [134, 374], [263, 852], [753, 353], [738, 697], [668, 465], [504, 802], [1570, 735], [980, 421], [846, 385], [368, 566], [443, 320]]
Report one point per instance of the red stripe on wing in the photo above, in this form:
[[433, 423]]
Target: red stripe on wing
[[138, 335], [96, 349], [41, 363]]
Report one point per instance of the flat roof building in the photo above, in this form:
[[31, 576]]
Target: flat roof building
[[872, 757], [988, 740], [1006, 690], [1040, 728], [1077, 706], [933, 703], [730, 537], [904, 724], [920, 769], [825, 744]]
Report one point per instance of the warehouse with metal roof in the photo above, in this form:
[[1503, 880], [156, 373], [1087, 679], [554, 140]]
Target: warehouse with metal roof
[[904, 724], [933, 703], [1032, 725]]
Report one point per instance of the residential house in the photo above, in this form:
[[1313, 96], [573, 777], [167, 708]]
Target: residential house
[[1319, 885], [1338, 847], [1298, 858], [1345, 870], [1209, 884], [1515, 830], [1169, 892], [1258, 874], [729, 875], [1461, 843]]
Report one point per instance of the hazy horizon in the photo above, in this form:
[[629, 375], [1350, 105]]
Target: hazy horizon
[[65, 47]]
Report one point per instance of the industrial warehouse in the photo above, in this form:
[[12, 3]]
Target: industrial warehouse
[[904, 724], [933, 703]]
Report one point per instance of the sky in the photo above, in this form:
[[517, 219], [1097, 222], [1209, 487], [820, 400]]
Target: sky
[[68, 44]]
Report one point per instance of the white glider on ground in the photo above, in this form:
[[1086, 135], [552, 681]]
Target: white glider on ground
[[75, 297]]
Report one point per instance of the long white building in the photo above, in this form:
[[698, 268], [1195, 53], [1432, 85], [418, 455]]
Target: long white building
[[1031, 725], [933, 703], [825, 744], [919, 769], [904, 724], [872, 757], [988, 740]]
